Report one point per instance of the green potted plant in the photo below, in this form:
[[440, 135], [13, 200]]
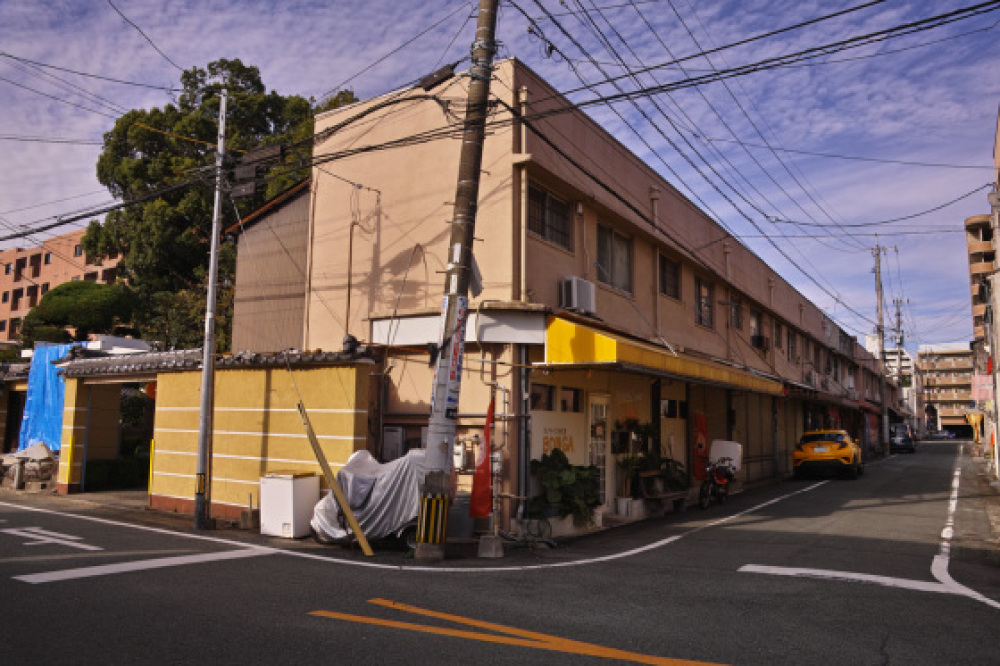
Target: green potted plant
[[567, 489]]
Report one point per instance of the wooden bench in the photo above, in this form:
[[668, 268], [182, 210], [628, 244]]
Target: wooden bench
[[652, 491]]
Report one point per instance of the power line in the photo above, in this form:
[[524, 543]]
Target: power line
[[58, 99], [145, 36], [43, 139], [87, 74], [851, 157], [891, 220]]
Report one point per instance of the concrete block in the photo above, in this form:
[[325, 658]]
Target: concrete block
[[39, 486], [490, 546], [250, 519]]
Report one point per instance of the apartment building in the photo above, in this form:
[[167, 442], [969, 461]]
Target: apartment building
[[947, 371], [901, 369], [27, 274], [611, 307]]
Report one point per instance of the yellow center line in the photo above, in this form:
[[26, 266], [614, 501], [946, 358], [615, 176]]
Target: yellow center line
[[517, 637]]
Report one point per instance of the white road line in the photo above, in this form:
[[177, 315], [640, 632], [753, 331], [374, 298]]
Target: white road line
[[939, 566], [140, 565], [847, 576], [41, 537]]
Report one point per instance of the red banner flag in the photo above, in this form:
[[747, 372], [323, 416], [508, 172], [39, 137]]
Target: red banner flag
[[481, 500]]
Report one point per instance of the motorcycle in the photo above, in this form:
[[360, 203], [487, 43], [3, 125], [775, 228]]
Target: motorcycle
[[718, 475]]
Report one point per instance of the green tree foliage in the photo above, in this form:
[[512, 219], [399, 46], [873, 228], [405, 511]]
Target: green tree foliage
[[85, 307], [163, 243]]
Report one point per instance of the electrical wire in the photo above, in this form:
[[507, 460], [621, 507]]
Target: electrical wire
[[145, 36], [110, 79]]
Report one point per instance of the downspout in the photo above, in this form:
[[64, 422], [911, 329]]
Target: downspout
[[523, 423], [654, 197], [314, 194], [522, 289]]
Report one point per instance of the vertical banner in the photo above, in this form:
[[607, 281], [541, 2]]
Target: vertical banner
[[481, 500]]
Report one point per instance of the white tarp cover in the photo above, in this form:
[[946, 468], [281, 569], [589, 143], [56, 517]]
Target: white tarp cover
[[383, 498]]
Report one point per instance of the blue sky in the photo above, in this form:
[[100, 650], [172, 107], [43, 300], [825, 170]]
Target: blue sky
[[745, 150]]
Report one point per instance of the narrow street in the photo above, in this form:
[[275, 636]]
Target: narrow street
[[808, 572]]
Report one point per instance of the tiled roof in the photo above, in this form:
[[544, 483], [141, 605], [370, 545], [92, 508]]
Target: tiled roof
[[190, 359]]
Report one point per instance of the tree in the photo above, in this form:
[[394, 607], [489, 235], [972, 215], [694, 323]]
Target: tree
[[163, 242], [85, 307]]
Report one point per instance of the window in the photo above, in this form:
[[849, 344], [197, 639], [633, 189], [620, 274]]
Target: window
[[7, 268], [6, 297], [77, 250], [90, 277], [614, 258], [3, 325], [15, 325], [792, 352], [48, 258], [45, 288], [75, 278], [16, 299], [543, 397], [704, 296], [778, 334], [670, 277], [549, 217], [570, 400], [736, 313], [754, 322]]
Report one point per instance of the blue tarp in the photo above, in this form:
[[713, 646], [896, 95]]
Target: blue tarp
[[43, 406]]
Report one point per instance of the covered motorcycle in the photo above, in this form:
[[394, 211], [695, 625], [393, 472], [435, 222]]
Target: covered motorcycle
[[383, 497]]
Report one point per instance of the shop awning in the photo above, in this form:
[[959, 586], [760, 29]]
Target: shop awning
[[571, 344]]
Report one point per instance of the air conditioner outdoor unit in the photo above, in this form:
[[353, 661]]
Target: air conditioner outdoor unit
[[577, 294]]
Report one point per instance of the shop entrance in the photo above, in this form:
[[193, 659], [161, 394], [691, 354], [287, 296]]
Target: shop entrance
[[597, 444]]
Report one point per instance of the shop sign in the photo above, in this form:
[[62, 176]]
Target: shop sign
[[559, 430]]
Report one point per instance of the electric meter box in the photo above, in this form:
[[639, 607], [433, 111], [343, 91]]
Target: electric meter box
[[287, 500]]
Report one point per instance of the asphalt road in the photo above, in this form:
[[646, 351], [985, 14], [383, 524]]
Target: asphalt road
[[896, 567]]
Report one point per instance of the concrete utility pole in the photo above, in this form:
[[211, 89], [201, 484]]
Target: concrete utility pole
[[201, 509], [883, 387], [994, 338], [435, 493]]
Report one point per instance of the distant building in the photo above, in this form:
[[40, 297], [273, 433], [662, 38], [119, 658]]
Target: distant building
[[947, 381], [27, 274], [901, 369]]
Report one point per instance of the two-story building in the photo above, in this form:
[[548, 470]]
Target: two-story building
[[610, 304]]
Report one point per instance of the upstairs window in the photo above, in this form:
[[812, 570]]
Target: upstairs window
[[736, 313], [670, 277], [548, 217], [77, 250], [704, 311], [614, 258]]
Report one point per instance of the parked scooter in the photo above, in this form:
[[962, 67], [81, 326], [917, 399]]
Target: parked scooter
[[718, 475]]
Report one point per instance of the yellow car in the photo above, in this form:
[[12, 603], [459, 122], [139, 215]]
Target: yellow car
[[828, 450]]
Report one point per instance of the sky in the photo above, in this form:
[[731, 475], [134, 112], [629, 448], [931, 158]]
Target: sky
[[829, 144]]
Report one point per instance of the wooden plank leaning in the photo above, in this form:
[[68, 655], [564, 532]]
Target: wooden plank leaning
[[331, 481]]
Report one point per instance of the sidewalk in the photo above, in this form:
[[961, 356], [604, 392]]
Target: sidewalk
[[976, 530]]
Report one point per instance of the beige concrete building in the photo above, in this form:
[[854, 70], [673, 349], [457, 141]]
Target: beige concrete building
[[27, 273], [947, 381], [610, 305]]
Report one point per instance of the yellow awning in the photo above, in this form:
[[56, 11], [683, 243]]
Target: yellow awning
[[569, 343]]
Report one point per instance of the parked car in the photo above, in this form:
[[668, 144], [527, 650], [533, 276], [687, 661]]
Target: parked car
[[940, 434], [822, 451], [901, 438]]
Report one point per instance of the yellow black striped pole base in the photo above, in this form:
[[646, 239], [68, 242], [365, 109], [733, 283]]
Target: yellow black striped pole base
[[432, 520]]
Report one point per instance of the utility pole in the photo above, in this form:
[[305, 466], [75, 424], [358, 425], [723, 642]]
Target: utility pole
[[994, 338], [435, 493], [201, 508], [877, 252], [899, 349], [899, 342]]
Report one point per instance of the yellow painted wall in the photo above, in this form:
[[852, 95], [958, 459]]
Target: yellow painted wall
[[257, 428], [73, 431]]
